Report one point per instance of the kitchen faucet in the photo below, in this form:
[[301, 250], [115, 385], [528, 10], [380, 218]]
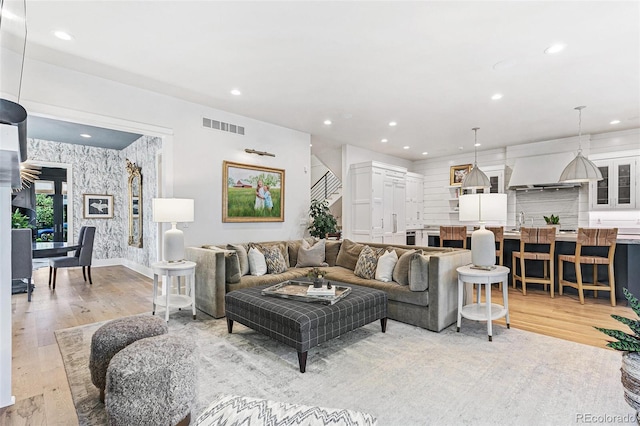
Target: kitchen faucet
[[521, 220]]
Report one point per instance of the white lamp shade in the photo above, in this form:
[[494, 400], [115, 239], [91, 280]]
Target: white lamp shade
[[172, 210], [483, 208], [580, 170], [476, 179]]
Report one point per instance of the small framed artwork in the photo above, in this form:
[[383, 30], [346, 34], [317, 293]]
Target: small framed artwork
[[135, 207], [252, 193], [458, 173], [98, 206]]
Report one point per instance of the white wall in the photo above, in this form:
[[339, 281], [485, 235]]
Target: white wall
[[192, 154]]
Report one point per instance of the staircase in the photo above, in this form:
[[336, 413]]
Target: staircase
[[328, 187]]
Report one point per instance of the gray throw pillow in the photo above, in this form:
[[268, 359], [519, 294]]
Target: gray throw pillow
[[311, 255], [401, 270], [348, 254], [232, 268], [243, 258], [419, 272]]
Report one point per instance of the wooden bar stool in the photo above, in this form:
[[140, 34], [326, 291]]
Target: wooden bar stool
[[453, 233], [543, 236], [591, 237]]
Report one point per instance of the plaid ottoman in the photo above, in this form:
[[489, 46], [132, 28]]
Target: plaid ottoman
[[303, 325]]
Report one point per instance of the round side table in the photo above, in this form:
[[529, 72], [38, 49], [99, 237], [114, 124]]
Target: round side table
[[483, 311], [183, 269]]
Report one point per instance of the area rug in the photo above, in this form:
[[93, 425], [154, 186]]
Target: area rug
[[406, 376]]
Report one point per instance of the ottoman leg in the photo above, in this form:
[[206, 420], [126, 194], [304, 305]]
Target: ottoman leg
[[186, 421], [229, 325], [383, 324], [302, 360]]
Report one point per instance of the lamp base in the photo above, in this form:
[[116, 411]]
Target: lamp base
[[173, 245], [483, 248]]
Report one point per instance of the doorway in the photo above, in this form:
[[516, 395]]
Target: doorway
[[51, 201]]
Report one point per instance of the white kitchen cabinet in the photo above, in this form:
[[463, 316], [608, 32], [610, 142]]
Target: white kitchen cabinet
[[415, 200], [378, 203], [617, 189]]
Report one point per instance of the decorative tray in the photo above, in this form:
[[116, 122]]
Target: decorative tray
[[297, 290]]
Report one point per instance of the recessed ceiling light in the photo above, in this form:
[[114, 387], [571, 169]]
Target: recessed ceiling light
[[497, 96], [477, 144], [425, 153], [393, 123], [555, 48], [384, 140], [406, 147], [62, 35], [327, 122], [236, 92], [310, 144], [85, 135], [615, 122]]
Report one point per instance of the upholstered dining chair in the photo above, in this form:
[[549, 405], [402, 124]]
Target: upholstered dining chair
[[22, 257], [540, 237], [591, 237], [82, 256], [453, 233]]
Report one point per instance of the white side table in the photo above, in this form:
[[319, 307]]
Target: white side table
[[483, 311], [183, 269]]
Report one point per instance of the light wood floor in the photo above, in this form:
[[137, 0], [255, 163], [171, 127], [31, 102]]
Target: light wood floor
[[40, 383]]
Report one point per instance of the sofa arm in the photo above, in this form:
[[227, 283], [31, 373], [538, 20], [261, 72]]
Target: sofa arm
[[210, 279], [443, 288]]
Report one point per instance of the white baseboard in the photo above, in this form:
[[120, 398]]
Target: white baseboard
[[141, 269]]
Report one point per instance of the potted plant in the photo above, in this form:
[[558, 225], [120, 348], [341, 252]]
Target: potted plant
[[629, 344], [323, 222], [316, 275], [553, 221]]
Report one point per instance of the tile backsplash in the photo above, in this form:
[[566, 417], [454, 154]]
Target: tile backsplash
[[538, 203]]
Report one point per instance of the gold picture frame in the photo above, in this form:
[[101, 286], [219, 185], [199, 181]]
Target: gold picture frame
[[458, 173], [252, 193]]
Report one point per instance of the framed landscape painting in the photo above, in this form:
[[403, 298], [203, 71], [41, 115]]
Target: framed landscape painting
[[252, 193], [458, 173], [98, 206]]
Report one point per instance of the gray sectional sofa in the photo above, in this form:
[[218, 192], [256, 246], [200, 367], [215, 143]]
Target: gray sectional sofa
[[424, 291]]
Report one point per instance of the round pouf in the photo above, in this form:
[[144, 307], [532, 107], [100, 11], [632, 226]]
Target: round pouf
[[152, 382], [115, 335]]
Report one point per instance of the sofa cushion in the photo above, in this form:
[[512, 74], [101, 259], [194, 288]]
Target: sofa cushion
[[367, 263], [401, 271], [311, 255], [348, 254], [274, 259], [241, 250], [257, 264], [419, 272], [386, 263], [331, 252], [232, 268]]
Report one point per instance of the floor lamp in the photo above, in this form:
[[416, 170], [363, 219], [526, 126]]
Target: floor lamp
[[482, 208], [173, 210]]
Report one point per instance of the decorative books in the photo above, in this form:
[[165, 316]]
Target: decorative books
[[321, 291]]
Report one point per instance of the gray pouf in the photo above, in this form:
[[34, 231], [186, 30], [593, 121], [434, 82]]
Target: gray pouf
[[115, 335], [152, 382]]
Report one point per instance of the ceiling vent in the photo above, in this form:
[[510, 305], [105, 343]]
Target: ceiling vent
[[222, 126]]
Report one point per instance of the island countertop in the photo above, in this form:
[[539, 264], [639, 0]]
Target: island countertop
[[561, 236]]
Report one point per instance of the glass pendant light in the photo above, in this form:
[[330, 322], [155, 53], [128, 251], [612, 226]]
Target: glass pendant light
[[476, 179], [580, 169]]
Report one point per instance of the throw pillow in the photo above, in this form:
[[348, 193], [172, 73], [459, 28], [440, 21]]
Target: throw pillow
[[331, 250], [257, 264], [274, 260], [419, 272], [367, 263], [242, 257], [348, 254], [401, 271], [232, 268], [311, 255], [386, 263], [293, 247]]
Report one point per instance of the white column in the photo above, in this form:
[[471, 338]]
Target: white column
[[5, 296]]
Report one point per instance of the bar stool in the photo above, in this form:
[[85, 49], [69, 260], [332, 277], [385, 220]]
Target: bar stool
[[453, 233], [591, 237], [545, 236]]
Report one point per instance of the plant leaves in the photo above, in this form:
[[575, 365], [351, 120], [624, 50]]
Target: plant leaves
[[624, 346], [633, 301], [620, 335]]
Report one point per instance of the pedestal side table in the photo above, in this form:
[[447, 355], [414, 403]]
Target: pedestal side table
[[179, 269], [483, 311]]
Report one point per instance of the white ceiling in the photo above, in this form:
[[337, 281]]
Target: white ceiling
[[430, 66]]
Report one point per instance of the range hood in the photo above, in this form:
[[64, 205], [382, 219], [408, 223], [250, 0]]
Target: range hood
[[540, 171]]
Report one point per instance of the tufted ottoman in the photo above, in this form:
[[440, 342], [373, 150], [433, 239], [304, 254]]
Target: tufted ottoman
[[152, 382], [115, 335]]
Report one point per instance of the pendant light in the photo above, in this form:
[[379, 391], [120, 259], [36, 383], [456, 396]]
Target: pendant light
[[476, 179], [580, 169]]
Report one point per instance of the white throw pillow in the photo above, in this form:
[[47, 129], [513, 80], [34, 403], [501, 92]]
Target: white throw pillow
[[257, 264], [386, 263]]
